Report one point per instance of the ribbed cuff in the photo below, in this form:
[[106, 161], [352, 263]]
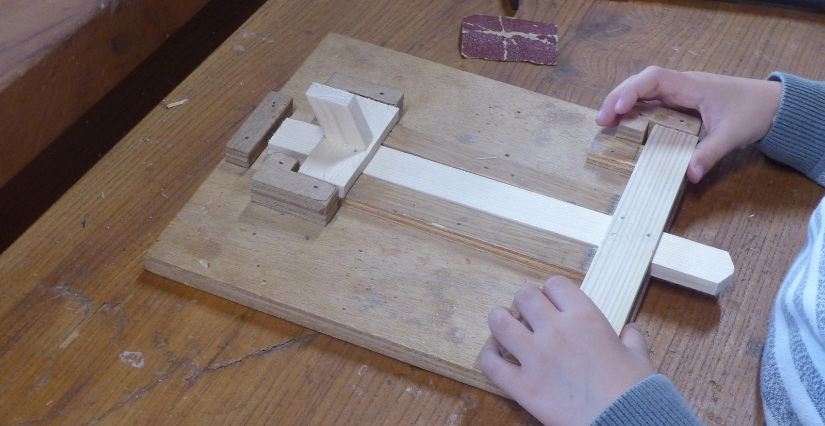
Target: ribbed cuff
[[654, 401], [797, 137]]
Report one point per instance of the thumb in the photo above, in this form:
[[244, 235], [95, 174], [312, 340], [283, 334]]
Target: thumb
[[632, 338], [707, 153]]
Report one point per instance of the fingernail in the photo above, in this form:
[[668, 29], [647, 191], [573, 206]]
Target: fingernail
[[619, 104], [699, 171], [635, 326], [599, 115]]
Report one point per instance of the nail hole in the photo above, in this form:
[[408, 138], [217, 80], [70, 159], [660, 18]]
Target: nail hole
[[315, 186]]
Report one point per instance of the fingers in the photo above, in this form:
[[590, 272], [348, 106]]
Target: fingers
[[654, 83], [564, 294], [500, 371], [632, 337], [534, 305], [512, 334], [709, 151]]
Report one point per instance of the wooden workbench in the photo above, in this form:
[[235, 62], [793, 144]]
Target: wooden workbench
[[88, 336]]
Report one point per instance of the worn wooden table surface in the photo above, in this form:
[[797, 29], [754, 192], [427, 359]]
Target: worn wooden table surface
[[57, 59], [89, 337]]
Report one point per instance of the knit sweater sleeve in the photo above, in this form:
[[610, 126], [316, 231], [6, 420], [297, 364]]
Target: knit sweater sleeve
[[653, 402], [797, 137]]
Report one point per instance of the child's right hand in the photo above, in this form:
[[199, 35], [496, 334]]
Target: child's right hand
[[735, 111]]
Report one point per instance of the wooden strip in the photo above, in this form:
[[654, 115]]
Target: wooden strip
[[613, 153], [670, 263], [295, 138], [529, 246], [340, 164], [249, 141], [276, 185], [503, 168], [624, 258], [487, 195], [385, 95], [635, 124], [339, 115]]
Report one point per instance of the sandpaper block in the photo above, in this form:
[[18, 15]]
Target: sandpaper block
[[499, 38]]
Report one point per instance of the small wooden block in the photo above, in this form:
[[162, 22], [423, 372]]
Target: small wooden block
[[623, 260], [635, 124], [292, 138], [340, 115], [341, 164], [385, 95], [276, 185], [612, 153], [249, 141]]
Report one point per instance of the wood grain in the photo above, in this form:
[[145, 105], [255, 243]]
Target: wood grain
[[208, 360], [623, 259], [56, 62]]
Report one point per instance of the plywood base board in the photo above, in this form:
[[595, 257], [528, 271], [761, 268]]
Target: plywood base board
[[371, 279]]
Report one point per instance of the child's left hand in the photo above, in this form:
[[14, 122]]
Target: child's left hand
[[573, 366]]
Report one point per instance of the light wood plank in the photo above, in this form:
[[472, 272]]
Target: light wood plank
[[487, 195], [248, 143], [339, 115], [623, 259], [378, 93], [340, 164], [293, 138]]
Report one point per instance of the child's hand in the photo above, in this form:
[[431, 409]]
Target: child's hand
[[573, 366], [736, 111]]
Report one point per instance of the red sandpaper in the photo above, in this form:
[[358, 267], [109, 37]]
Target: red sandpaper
[[498, 38]]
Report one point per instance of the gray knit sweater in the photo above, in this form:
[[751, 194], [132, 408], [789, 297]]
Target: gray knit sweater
[[793, 362]]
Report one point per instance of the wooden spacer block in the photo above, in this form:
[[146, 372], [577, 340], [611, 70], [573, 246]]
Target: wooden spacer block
[[277, 185], [356, 86], [612, 153], [249, 141], [340, 115], [635, 124], [293, 136]]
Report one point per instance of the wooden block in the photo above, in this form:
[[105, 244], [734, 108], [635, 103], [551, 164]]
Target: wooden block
[[341, 164], [635, 124], [340, 115], [293, 136], [623, 259], [277, 186], [248, 143], [613, 153], [385, 95], [544, 213]]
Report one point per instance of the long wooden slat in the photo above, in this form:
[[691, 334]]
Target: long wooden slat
[[623, 259]]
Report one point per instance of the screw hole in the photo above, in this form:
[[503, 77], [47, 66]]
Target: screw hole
[[315, 186]]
